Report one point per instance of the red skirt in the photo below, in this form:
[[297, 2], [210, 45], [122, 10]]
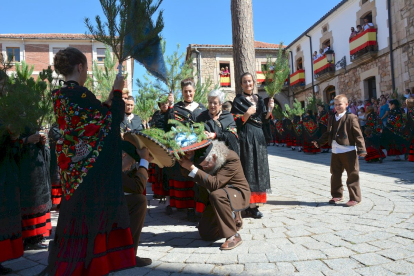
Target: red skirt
[[309, 147], [374, 154], [258, 197], [112, 254], [181, 194], [56, 193], [11, 249], [411, 152], [156, 181], [393, 150], [37, 224], [289, 142]]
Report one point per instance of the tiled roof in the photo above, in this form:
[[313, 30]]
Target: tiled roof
[[257, 45], [47, 36], [317, 22]]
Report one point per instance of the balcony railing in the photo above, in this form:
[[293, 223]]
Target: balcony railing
[[322, 68], [362, 44], [225, 81], [297, 79]]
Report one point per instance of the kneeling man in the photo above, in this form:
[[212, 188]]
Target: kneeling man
[[229, 193]]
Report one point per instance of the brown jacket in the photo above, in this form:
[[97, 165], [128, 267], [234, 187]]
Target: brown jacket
[[348, 133], [134, 182], [229, 177]]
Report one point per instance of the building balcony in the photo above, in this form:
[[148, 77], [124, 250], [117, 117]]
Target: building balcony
[[322, 69], [297, 79], [363, 47]]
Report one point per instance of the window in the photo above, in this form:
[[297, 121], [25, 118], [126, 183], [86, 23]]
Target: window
[[299, 64], [13, 54], [298, 49], [330, 93], [364, 1], [224, 75], [100, 53], [325, 29], [264, 67], [372, 88]]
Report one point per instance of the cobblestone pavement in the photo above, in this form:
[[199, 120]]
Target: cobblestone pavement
[[300, 233]]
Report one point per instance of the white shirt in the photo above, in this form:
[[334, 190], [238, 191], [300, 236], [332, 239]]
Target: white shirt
[[193, 173], [326, 49], [337, 148], [129, 117], [366, 27]]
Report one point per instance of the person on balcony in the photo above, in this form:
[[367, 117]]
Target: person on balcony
[[325, 48], [315, 55], [221, 72], [226, 72], [367, 25], [320, 53], [359, 29], [353, 33]]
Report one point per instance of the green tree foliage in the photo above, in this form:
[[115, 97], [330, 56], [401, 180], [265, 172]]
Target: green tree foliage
[[277, 72], [312, 103], [26, 102], [296, 110], [144, 108], [127, 18], [103, 75], [277, 112]]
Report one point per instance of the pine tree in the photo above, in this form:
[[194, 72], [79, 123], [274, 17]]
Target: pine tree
[[26, 102], [127, 19], [312, 103], [277, 72], [296, 110]]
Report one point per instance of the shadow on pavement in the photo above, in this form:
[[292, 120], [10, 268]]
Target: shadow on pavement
[[403, 170]]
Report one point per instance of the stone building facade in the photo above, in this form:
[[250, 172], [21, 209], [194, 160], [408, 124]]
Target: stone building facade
[[209, 59], [366, 75]]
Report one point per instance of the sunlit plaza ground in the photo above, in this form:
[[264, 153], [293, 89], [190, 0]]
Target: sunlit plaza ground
[[300, 234]]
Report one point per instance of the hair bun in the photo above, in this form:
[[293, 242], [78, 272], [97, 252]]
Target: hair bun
[[65, 60]]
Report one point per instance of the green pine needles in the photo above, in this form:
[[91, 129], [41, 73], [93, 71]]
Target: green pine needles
[[168, 138], [296, 110], [277, 72]]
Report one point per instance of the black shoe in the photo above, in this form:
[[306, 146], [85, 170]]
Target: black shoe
[[168, 210], [35, 246], [5, 270], [191, 216], [141, 262], [254, 212], [293, 148]]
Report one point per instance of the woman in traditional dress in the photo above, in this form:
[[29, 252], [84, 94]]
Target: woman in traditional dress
[[181, 187], [11, 244], [393, 137], [35, 189], [372, 134], [410, 127], [280, 133], [297, 130], [219, 125], [54, 136], [157, 175], [310, 133], [287, 127], [92, 235], [322, 118], [250, 112]]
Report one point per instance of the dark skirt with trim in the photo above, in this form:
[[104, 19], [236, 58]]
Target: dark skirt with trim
[[182, 194], [309, 147], [112, 253], [36, 224], [11, 248], [411, 152]]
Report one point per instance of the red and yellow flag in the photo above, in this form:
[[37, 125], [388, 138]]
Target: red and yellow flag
[[321, 64], [363, 40], [297, 77]]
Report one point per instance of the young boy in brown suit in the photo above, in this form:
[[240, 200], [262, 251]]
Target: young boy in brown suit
[[345, 137]]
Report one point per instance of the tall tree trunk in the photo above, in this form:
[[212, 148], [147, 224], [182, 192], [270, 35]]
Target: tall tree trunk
[[243, 40]]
